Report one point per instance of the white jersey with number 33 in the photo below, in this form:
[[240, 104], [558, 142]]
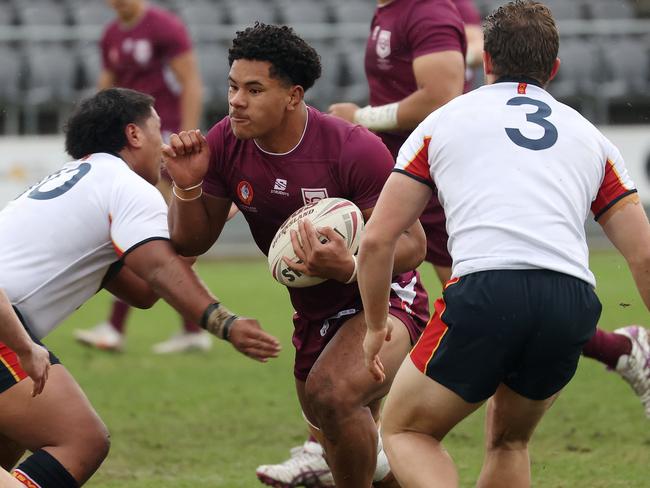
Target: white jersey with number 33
[[59, 238], [517, 173]]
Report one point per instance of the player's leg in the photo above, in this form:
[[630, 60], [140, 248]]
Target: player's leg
[[109, 335], [509, 425], [626, 351], [417, 415], [60, 427], [10, 452], [336, 395]]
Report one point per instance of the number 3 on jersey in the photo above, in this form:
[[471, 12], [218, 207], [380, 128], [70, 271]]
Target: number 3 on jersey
[[543, 111]]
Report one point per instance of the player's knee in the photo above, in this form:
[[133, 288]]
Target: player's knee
[[328, 399], [93, 445]]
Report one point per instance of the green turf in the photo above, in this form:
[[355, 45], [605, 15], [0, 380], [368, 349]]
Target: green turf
[[207, 420]]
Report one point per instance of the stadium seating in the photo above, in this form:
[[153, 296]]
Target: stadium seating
[[9, 88], [50, 82], [605, 64], [577, 80]]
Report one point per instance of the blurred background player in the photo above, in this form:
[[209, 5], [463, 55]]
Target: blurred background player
[[106, 198], [271, 135], [148, 49], [521, 304]]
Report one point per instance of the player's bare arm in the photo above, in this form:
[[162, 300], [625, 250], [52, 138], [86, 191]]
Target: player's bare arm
[[106, 80], [440, 77], [378, 246], [131, 289], [185, 68], [174, 280], [627, 227], [34, 359], [195, 219]]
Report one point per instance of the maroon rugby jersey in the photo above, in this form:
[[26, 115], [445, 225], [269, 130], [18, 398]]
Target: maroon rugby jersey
[[333, 159], [138, 56], [400, 32]]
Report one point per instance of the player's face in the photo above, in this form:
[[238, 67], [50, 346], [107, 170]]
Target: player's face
[[125, 9], [257, 102], [151, 148]]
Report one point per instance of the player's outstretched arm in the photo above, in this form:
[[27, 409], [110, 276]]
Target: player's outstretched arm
[[399, 206], [34, 359], [173, 279], [627, 227]]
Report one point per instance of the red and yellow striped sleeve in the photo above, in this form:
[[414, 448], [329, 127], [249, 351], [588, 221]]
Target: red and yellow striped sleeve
[[416, 165], [615, 186]]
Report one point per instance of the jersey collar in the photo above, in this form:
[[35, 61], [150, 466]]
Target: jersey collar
[[519, 79]]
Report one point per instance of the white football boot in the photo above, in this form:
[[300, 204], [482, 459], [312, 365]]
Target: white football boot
[[635, 367], [184, 342], [102, 336], [305, 467]]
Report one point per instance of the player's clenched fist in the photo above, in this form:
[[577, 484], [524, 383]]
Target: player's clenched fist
[[186, 158]]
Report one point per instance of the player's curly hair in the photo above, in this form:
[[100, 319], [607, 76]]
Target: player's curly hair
[[98, 123], [522, 39], [292, 60]]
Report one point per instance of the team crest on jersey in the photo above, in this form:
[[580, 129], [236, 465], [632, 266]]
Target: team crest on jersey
[[383, 44], [313, 195], [245, 192], [521, 88], [142, 51]]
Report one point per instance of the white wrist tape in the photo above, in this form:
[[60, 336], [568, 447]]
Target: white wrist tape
[[379, 118]]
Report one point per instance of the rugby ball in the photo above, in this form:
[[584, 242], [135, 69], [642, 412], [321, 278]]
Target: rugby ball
[[338, 213]]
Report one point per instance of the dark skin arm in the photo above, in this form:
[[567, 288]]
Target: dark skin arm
[[171, 277]]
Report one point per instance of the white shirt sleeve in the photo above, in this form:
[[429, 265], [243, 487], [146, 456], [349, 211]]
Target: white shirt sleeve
[[138, 213]]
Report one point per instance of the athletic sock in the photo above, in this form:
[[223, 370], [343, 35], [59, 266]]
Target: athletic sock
[[42, 470], [118, 315], [607, 347], [190, 327]]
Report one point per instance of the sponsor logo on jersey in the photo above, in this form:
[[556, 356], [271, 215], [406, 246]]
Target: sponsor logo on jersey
[[521, 89], [245, 192], [279, 187], [383, 44], [313, 195]]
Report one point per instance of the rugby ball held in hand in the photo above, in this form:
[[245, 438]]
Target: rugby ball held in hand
[[338, 213]]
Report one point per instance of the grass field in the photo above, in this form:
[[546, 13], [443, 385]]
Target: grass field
[[207, 420]]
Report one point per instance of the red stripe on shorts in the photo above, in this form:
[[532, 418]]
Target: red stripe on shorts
[[9, 360], [430, 339]]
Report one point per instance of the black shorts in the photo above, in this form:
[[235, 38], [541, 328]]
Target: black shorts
[[522, 328], [10, 370]]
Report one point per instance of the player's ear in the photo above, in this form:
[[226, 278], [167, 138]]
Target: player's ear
[[554, 69], [134, 135], [296, 94]]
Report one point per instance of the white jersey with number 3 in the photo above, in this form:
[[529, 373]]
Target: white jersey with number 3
[[59, 238], [517, 173]]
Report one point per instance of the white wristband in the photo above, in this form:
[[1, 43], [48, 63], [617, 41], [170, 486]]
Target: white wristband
[[379, 118], [353, 277]]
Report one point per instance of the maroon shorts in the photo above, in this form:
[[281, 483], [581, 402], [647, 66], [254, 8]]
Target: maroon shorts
[[408, 302], [434, 224]]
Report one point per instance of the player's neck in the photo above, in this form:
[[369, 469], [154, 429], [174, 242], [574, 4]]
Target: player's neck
[[135, 15], [287, 136], [381, 3]]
